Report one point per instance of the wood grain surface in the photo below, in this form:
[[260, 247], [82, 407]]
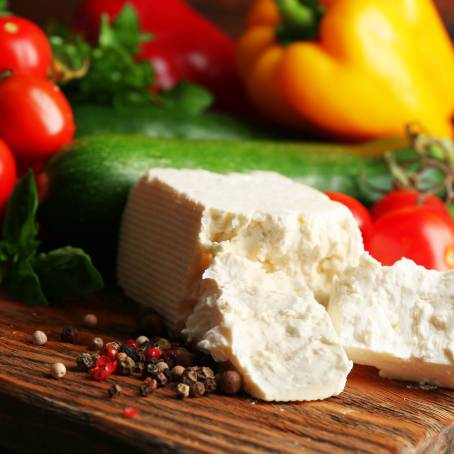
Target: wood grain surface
[[40, 414]]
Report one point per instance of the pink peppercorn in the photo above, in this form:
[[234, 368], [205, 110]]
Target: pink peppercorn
[[130, 412], [153, 353], [132, 343]]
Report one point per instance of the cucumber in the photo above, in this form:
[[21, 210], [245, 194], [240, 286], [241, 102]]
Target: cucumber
[[155, 122], [88, 185]]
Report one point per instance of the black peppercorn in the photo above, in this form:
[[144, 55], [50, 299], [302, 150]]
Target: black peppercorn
[[69, 334], [197, 389], [86, 361], [114, 390]]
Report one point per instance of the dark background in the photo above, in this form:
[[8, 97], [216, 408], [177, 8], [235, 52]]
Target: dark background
[[228, 13]]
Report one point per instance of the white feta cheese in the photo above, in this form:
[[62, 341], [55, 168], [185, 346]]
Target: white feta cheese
[[399, 319], [284, 345], [175, 221]]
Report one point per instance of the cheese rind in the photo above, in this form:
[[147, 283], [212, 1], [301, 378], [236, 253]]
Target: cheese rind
[[284, 345], [397, 318], [175, 221]]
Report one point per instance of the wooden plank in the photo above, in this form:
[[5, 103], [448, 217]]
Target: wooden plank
[[373, 415]]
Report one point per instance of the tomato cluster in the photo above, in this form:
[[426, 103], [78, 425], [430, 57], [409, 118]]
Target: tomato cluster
[[406, 223], [36, 119]]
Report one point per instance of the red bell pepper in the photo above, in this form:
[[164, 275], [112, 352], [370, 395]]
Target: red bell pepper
[[186, 46]]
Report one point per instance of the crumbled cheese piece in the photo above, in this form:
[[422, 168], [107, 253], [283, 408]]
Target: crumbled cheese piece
[[399, 319], [284, 345]]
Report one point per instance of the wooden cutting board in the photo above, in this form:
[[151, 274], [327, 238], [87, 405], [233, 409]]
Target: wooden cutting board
[[40, 414]]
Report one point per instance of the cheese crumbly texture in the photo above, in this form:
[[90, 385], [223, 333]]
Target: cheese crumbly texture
[[399, 319], [176, 221], [284, 345]]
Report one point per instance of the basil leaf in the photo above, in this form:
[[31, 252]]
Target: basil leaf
[[23, 284], [187, 98], [20, 227], [67, 272]]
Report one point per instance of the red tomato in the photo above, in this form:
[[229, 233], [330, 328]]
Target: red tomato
[[7, 174], [24, 47], [36, 119], [358, 210], [405, 198], [416, 233]]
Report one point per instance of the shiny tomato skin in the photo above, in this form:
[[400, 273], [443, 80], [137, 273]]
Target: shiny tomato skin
[[7, 174], [416, 233], [24, 47], [359, 211], [405, 198], [36, 119]]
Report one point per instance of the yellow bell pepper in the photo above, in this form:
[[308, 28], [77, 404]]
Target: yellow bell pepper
[[351, 69]]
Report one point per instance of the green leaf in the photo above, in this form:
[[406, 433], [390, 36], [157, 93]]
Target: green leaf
[[67, 272], [19, 227], [187, 98], [23, 284], [4, 8]]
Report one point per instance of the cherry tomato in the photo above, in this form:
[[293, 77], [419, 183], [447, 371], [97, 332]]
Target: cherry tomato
[[36, 119], [7, 174], [405, 198], [359, 211], [24, 47], [416, 233]]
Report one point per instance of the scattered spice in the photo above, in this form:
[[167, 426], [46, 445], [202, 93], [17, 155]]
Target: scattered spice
[[182, 390], [96, 344], [130, 412], [197, 389], [114, 390], [142, 340], [58, 370], [153, 353], [111, 351], [39, 338], [176, 373], [86, 361], [90, 321], [69, 334], [229, 382], [126, 365]]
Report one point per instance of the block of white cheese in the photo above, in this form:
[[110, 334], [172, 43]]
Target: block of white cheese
[[284, 345], [399, 319], [175, 221]]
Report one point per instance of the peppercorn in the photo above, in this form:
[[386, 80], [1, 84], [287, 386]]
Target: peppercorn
[[210, 385], [122, 356], [126, 366], [114, 390], [230, 382], [142, 340], [197, 389], [39, 338], [86, 361], [96, 344], [115, 345], [161, 366], [130, 412], [182, 390], [90, 320], [151, 382], [163, 344], [176, 373], [190, 374], [69, 334], [206, 372], [111, 351], [161, 378], [58, 370], [153, 353]]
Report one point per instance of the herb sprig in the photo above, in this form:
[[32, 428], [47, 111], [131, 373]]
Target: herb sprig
[[37, 278], [108, 72]]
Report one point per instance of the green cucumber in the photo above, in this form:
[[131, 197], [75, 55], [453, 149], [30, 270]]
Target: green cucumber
[[88, 185], [155, 122]]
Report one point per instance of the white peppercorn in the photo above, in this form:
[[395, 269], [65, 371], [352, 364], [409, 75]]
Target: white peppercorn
[[96, 344], [39, 338], [58, 370], [90, 320], [142, 340]]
